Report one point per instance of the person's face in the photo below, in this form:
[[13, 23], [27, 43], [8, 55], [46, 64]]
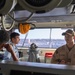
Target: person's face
[[33, 46], [16, 40], [69, 38]]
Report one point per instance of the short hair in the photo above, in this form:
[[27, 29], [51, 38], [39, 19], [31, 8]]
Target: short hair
[[33, 44], [14, 34], [4, 36]]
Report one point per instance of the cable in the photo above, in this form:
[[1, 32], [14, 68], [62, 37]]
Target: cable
[[20, 21], [4, 25], [14, 20]]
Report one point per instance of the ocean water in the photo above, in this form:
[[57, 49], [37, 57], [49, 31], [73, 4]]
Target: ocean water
[[42, 43]]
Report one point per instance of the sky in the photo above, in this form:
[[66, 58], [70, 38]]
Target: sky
[[43, 34]]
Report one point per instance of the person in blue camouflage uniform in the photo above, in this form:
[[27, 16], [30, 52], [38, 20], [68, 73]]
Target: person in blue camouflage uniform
[[33, 53]]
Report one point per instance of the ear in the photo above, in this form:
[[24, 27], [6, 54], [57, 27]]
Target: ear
[[74, 37], [12, 39]]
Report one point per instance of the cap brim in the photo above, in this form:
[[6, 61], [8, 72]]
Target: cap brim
[[67, 34], [64, 33]]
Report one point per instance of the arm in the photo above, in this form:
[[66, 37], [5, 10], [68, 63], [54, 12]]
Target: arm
[[38, 53], [55, 59], [9, 49], [14, 56]]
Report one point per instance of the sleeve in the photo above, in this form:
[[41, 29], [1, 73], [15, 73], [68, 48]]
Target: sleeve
[[38, 53], [55, 59], [7, 55]]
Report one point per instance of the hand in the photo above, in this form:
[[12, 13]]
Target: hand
[[63, 62]]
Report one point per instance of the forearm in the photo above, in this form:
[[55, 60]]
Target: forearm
[[58, 61], [9, 49], [54, 62], [14, 56]]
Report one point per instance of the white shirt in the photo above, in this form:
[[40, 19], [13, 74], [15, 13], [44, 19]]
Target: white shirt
[[8, 56]]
